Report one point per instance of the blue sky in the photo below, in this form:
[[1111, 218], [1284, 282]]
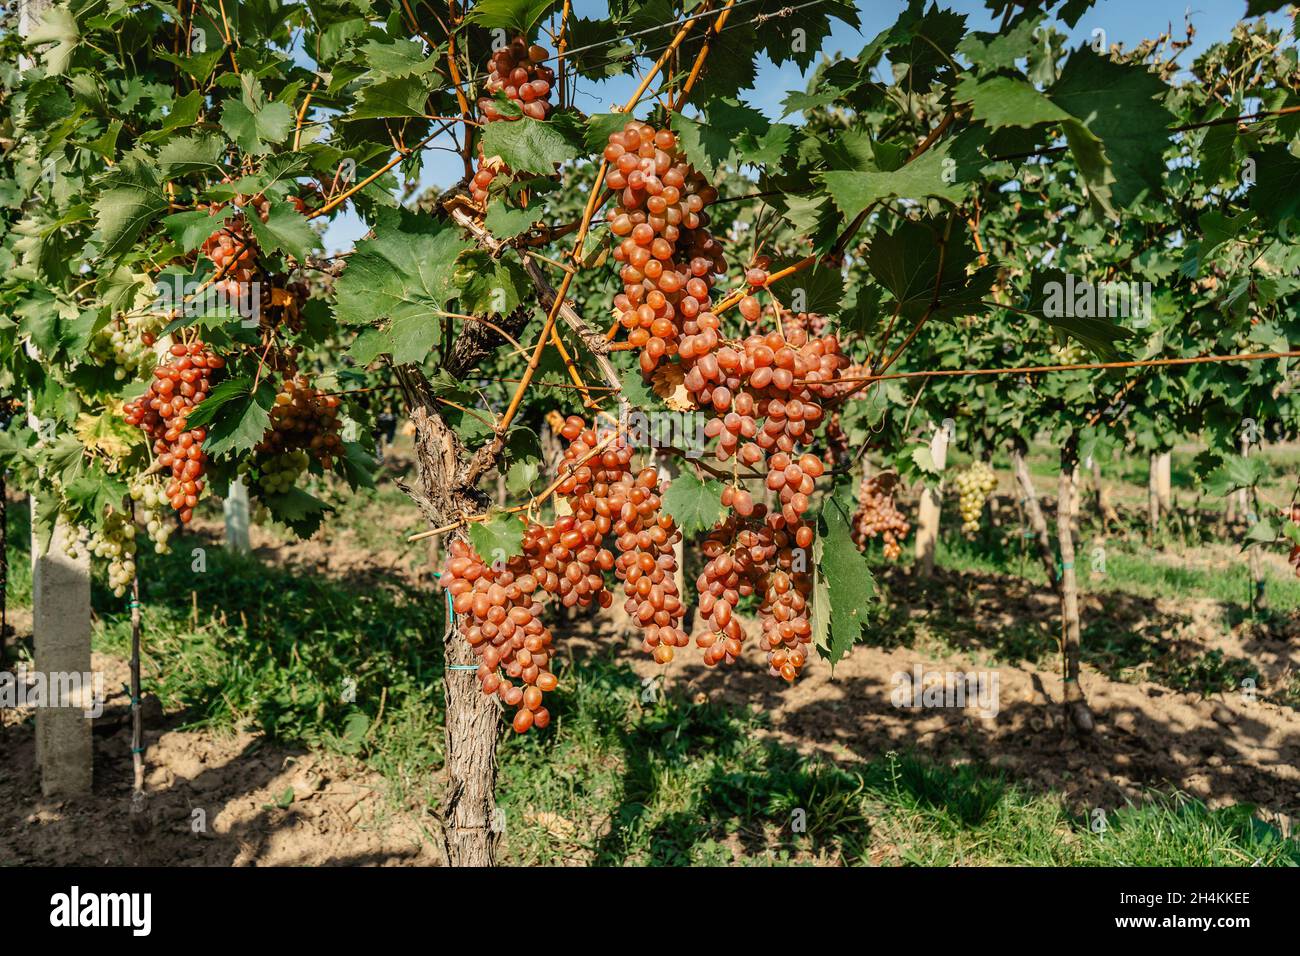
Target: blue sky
[[1125, 21]]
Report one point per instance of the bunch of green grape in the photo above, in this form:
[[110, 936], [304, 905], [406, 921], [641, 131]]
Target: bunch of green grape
[[127, 344], [147, 492], [974, 484], [115, 540], [279, 473], [1071, 353]]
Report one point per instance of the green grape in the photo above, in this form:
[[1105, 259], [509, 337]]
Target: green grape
[[974, 485]]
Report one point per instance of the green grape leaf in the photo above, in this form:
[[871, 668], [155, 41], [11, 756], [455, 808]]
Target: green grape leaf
[[515, 16], [505, 222], [239, 416], [1275, 196], [488, 286], [600, 126], [933, 173], [848, 577], [1119, 105], [1236, 473], [927, 276], [528, 145], [400, 96], [819, 289], [402, 280], [252, 122], [286, 230], [183, 113], [498, 539], [358, 465], [1261, 532], [299, 510], [396, 56], [1082, 310], [694, 503], [712, 141], [190, 229], [57, 26], [132, 198], [200, 153], [1006, 101]]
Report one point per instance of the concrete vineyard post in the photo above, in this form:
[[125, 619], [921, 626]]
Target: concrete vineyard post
[[61, 639], [60, 613], [927, 531], [1153, 495], [1164, 482], [235, 510]]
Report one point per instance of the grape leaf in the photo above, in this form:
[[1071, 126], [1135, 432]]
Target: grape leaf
[[200, 153], [301, 511], [58, 26], [1000, 51], [358, 465], [506, 223], [184, 113], [600, 52], [695, 504], [528, 145], [1006, 101], [516, 16], [93, 493], [1118, 104], [522, 460], [1048, 299], [190, 229], [934, 173], [1236, 473], [1276, 193], [818, 289], [925, 275], [635, 389], [199, 65], [923, 458], [498, 539], [252, 122], [285, 229], [711, 141], [600, 126], [489, 286], [402, 278], [396, 56], [132, 198], [848, 577], [238, 418], [400, 96], [1216, 152], [1261, 532]]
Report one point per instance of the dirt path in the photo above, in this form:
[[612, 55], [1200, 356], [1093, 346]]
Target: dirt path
[[1222, 749], [212, 801]]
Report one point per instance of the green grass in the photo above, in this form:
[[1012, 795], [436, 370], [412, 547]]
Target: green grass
[[679, 783], [965, 816], [1128, 568]]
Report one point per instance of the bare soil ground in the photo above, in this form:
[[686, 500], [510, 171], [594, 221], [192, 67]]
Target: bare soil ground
[[212, 800], [1222, 749]]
